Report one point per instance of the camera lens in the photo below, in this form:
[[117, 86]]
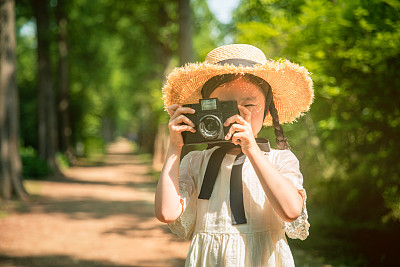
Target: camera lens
[[210, 126]]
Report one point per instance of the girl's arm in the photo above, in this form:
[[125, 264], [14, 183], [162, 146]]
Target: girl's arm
[[282, 194], [167, 198]]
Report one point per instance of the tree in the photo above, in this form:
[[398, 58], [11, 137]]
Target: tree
[[350, 47], [149, 43], [121, 53], [10, 168], [185, 43], [185, 53], [357, 95], [63, 81], [46, 104]]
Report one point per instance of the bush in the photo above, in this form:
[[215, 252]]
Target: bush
[[94, 146], [62, 160], [33, 167]]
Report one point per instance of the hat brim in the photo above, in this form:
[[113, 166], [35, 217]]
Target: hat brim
[[291, 85]]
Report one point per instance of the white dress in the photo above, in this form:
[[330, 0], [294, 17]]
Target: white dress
[[215, 241]]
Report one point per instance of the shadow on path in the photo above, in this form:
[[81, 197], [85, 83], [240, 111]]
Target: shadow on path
[[65, 261], [97, 215]]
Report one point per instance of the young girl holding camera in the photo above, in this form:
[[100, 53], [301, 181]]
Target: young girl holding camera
[[237, 199]]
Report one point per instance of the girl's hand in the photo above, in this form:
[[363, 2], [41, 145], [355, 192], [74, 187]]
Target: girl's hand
[[175, 123], [241, 131]]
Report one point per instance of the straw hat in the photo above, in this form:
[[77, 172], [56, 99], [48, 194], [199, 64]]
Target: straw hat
[[291, 84]]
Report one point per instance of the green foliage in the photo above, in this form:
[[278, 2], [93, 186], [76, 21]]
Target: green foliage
[[26, 79], [351, 49], [208, 32], [119, 53], [33, 167], [62, 161], [348, 146], [93, 147], [348, 143]]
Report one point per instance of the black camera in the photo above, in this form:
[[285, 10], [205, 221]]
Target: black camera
[[209, 120]]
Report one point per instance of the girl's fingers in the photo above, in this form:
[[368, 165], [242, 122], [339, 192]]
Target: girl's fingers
[[245, 113], [171, 109], [182, 128], [182, 110], [182, 119], [176, 125], [235, 118], [238, 138], [234, 129]]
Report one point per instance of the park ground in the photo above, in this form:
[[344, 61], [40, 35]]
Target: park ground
[[100, 212], [94, 215]]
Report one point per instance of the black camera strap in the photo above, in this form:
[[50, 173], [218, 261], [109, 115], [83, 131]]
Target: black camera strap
[[236, 185]]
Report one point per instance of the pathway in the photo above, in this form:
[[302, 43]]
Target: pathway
[[95, 216]]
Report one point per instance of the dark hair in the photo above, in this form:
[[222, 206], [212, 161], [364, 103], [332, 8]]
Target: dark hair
[[216, 81]]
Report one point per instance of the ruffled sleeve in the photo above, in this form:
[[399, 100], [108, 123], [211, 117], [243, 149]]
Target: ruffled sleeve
[[184, 225], [290, 168]]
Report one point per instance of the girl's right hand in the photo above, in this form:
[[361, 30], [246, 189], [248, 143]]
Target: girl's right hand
[[175, 123]]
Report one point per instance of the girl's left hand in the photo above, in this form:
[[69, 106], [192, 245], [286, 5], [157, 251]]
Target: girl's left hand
[[241, 131]]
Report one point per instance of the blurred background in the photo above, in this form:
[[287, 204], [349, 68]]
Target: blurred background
[[76, 75]]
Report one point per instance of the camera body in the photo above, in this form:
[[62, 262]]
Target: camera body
[[209, 121]]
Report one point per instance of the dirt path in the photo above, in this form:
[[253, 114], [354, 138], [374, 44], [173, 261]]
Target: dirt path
[[96, 216]]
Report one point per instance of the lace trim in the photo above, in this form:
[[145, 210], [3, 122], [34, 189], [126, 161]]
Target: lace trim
[[300, 227]]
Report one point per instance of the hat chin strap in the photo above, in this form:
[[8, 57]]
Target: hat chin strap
[[238, 62]]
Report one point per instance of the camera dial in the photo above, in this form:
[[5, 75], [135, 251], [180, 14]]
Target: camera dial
[[210, 126]]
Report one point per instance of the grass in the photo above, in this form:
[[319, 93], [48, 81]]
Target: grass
[[33, 187]]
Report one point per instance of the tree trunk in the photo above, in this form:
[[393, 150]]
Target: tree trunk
[[185, 32], [47, 114], [63, 82], [160, 147], [10, 168], [185, 44], [185, 53], [108, 129]]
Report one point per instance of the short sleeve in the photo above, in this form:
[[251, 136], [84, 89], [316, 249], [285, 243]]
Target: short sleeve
[[184, 225], [290, 168]]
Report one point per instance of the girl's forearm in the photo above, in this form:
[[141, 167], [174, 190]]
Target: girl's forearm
[[167, 198], [281, 193]]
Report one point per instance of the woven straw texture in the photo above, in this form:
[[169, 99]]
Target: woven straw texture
[[291, 84]]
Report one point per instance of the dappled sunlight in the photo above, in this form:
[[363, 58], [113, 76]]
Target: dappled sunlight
[[84, 130], [95, 215]]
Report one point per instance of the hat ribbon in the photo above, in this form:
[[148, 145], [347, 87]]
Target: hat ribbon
[[238, 61]]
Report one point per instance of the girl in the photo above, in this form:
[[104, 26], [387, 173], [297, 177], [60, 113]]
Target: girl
[[236, 201]]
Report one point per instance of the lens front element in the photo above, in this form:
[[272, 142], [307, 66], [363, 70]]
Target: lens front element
[[210, 126]]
